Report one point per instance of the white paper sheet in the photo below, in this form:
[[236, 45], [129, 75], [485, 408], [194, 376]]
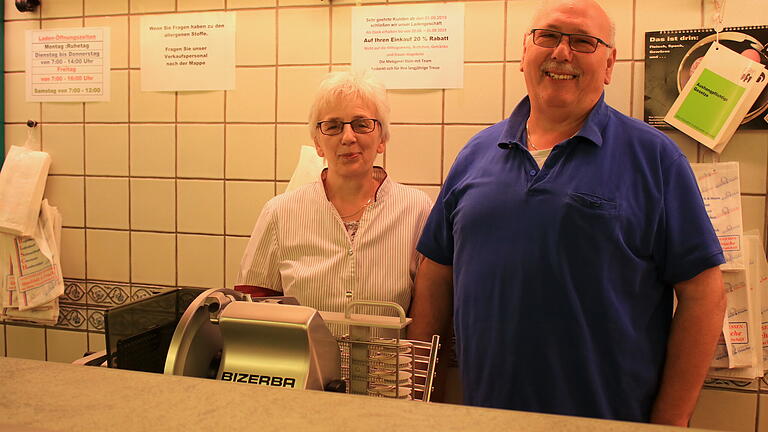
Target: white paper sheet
[[22, 184], [68, 65], [31, 271], [762, 286], [743, 319], [190, 51], [410, 46], [719, 186]]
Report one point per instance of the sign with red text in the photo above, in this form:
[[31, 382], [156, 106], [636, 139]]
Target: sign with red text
[[720, 188], [410, 46], [190, 51], [68, 65]]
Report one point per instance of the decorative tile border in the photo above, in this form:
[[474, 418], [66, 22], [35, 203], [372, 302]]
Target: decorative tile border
[[763, 385], [74, 292], [733, 384], [141, 292], [84, 304], [108, 294], [96, 320], [72, 317], [188, 297]]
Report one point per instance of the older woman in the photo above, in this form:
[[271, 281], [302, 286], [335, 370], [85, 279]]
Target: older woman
[[351, 234]]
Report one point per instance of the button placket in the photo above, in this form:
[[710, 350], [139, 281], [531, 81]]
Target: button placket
[[349, 293]]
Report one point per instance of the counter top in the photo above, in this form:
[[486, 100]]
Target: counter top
[[61, 397]]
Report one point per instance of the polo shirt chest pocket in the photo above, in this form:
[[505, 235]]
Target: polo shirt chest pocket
[[589, 234], [589, 216], [591, 203]]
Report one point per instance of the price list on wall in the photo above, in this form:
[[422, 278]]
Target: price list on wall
[[68, 65]]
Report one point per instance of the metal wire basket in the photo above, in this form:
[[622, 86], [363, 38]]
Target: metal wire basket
[[380, 367], [395, 368]]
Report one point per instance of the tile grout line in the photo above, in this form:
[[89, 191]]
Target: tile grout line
[[757, 404], [176, 187], [130, 177], [277, 97], [85, 205], [176, 177], [632, 63], [224, 192]]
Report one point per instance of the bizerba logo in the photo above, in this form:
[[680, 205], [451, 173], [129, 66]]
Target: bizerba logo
[[274, 381]]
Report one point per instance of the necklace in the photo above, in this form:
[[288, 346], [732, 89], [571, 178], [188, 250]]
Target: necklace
[[528, 138], [362, 207]]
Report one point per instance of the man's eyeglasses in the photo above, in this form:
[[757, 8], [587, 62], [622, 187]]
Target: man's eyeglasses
[[335, 127], [582, 43]]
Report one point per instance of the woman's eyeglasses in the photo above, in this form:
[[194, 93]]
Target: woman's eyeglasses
[[335, 127], [582, 43]]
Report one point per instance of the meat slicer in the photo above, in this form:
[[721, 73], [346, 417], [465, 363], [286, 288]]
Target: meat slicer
[[225, 335]]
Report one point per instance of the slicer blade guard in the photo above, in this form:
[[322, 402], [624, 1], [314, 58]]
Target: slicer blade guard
[[226, 336]]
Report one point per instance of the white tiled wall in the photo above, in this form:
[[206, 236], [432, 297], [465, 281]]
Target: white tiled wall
[[162, 188], [25, 342], [741, 409], [65, 346], [202, 163]]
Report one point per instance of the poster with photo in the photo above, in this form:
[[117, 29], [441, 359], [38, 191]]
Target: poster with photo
[[672, 56]]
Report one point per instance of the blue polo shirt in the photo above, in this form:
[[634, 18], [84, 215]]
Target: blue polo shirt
[[563, 276]]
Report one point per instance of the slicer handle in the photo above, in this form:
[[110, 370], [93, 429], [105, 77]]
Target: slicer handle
[[352, 304]]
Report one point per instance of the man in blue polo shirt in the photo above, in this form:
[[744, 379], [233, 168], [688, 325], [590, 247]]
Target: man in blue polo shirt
[[558, 239]]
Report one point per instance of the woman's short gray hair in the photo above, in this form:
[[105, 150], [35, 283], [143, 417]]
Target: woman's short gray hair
[[350, 85]]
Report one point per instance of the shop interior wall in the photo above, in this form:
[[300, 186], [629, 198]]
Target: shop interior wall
[[161, 189]]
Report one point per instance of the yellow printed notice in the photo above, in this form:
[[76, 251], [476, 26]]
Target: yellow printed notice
[[191, 51], [410, 46]]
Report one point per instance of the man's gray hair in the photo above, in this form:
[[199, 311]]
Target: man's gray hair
[[341, 86], [547, 4]]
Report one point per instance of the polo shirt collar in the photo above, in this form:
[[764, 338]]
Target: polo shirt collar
[[385, 184], [514, 130]]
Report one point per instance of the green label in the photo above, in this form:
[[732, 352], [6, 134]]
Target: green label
[[709, 103]]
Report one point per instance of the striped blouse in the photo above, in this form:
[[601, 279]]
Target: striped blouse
[[301, 248]]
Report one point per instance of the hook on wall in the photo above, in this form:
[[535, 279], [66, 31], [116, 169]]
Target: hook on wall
[[31, 123], [27, 5]]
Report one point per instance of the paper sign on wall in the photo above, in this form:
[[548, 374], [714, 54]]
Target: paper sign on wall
[[718, 95], [193, 51], [410, 47], [68, 65], [720, 189], [739, 353]]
